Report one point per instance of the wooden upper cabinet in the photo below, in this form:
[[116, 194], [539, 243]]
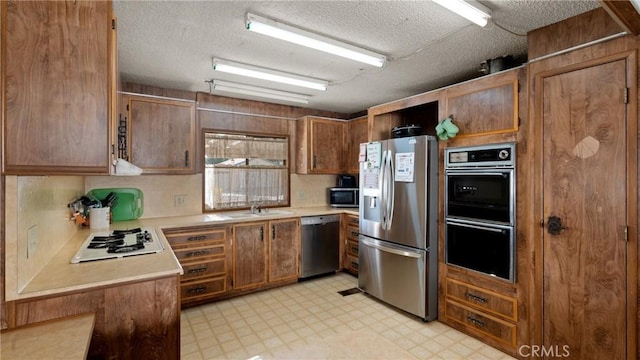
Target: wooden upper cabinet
[[57, 84], [357, 131], [488, 105], [321, 146], [422, 109], [162, 134]]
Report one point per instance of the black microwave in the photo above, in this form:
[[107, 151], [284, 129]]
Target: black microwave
[[343, 197]]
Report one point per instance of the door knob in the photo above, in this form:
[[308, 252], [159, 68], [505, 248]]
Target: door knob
[[554, 225]]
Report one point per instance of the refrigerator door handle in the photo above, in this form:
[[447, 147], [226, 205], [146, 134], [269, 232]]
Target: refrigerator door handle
[[392, 250], [383, 193], [391, 190]]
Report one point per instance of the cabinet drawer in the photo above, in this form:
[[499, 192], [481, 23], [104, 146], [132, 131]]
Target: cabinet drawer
[[353, 220], [205, 268], [202, 288], [197, 253], [352, 264], [352, 232], [484, 300], [484, 324], [352, 248], [193, 237]]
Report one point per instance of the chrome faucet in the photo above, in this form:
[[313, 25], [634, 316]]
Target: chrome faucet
[[256, 208]]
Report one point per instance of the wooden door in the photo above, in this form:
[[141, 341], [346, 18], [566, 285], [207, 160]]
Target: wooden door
[[357, 134], [57, 69], [485, 106], [283, 249], [585, 182], [249, 255], [327, 146], [162, 135]]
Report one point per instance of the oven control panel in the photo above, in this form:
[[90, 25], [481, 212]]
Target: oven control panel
[[492, 155]]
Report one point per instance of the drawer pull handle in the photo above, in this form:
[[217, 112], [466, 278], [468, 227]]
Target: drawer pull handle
[[475, 321], [354, 264], [477, 298], [196, 238], [354, 233], [197, 253], [354, 249], [198, 270], [197, 290]]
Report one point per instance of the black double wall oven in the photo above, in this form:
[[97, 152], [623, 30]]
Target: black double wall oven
[[480, 209]]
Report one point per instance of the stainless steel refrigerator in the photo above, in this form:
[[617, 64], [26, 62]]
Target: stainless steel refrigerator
[[398, 242]]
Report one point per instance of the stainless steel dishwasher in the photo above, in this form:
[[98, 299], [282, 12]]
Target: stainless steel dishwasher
[[320, 245]]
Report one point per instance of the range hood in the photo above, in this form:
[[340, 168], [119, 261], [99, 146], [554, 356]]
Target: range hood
[[125, 168]]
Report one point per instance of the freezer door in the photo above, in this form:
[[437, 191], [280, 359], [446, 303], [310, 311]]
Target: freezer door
[[396, 275], [371, 202]]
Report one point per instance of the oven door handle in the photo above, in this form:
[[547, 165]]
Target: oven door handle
[[391, 250], [471, 173], [497, 230]]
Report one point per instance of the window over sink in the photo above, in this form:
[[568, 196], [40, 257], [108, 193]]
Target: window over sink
[[242, 170]]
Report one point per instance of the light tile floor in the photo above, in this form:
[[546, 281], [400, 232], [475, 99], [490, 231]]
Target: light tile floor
[[270, 323]]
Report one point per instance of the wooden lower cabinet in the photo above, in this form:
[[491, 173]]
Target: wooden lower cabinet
[[352, 229], [250, 255], [137, 320], [284, 248], [205, 255], [265, 253], [481, 323], [222, 261], [486, 314]]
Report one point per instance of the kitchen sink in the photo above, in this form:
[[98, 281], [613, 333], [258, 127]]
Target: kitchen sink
[[238, 215], [247, 214]]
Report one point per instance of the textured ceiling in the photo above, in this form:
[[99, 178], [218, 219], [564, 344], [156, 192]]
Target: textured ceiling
[[171, 43]]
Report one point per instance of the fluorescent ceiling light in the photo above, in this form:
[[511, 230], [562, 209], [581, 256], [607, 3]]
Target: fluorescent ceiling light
[[243, 89], [471, 10], [268, 74], [305, 38]]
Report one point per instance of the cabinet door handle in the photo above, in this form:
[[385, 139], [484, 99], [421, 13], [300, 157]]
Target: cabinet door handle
[[197, 238], [261, 233], [197, 290], [198, 253], [475, 321], [273, 232], [315, 161], [186, 158], [475, 297], [198, 270]]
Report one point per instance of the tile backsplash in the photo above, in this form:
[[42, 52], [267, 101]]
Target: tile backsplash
[[159, 192], [37, 206], [310, 190]]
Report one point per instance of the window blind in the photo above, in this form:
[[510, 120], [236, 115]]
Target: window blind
[[241, 170]]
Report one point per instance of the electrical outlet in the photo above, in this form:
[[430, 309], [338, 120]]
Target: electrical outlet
[[32, 241], [179, 200]]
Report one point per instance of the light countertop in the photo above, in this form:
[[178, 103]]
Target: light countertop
[[65, 338], [60, 276]]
